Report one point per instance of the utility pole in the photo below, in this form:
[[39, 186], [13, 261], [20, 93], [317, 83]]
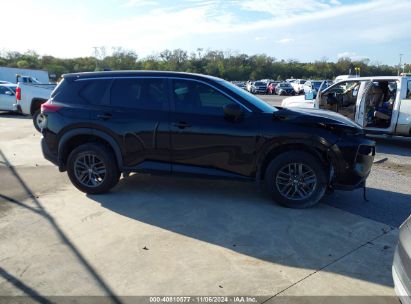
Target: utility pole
[[399, 65]]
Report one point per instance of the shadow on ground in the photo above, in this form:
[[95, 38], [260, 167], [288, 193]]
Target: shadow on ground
[[13, 115], [235, 216]]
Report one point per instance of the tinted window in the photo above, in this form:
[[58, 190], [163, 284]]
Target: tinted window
[[409, 90], [82, 92], [3, 90], [195, 97], [93, 92], [139, 93]]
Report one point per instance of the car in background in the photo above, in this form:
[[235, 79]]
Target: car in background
[[259, 87], [240, 84], [30, 97], [248, 85], [298, 85], [5, 82], [7, 96], [312, 86], [401, 268], [271, 87], [284, 88]]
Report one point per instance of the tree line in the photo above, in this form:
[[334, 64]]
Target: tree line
[[225, 64]]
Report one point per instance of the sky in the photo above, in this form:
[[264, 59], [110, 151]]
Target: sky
[[304, 30]]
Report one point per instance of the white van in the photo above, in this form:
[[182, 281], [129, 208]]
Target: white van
[[381, 105]]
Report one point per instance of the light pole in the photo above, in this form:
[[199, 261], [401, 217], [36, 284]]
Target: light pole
[[399, 65]]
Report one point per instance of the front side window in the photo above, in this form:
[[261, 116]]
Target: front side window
[[139, 93], [198, 98]]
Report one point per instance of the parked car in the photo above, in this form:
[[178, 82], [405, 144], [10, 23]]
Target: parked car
[[5, 82], [259, 87], [248, 85], [7, 96], [284, 88], [271, 87], [312, 86], [240, 84], [97, 125], [29, 97], [298, 85], [401, 268], [381, 105]]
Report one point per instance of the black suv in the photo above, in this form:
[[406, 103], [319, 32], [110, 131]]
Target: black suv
[[99, 125]]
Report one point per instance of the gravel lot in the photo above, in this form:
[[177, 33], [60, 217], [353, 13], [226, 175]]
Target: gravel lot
[[176, 236]]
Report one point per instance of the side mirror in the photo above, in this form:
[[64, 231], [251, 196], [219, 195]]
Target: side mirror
[[233, 112], [309, 95]]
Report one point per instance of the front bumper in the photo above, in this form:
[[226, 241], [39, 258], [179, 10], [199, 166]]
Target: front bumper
[[399, 276], [352, 161]]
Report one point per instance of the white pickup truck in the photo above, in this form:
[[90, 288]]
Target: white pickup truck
[[381, 105], [29, 97]]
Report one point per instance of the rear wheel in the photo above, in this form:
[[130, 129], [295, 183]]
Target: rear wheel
[[38, 120], [296, 179], [92, 168]]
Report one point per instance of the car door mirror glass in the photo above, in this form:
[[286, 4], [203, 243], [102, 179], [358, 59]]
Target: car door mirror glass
[[233, 112]]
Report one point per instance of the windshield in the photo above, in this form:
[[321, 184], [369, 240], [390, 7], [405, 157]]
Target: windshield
[[257, 102], [285, 85], [259, 83]]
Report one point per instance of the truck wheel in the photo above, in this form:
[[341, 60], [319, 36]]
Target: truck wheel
[[92, 168], [38, 120], [296, 179]]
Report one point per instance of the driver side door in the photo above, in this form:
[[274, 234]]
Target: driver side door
[[203, 141]]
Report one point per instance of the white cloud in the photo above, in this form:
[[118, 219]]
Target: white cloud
[[285, 40], [319, 27], [351, 55], [136, 3]]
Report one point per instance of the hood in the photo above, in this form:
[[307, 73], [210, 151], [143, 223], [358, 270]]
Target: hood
[[317, 117]]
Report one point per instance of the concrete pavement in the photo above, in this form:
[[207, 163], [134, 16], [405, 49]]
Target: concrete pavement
[[176, 236]]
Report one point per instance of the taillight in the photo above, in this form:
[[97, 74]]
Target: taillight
[[18, 93], [49, 107]]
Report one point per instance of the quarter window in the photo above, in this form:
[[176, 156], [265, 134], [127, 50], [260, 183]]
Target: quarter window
[[198, 98], [138, 93]]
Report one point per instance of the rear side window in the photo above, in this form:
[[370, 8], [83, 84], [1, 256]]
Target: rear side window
[[409, 90], [82, 92], [139, 93]]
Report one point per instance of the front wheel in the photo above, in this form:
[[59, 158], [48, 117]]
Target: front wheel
[[92, 168], [296, 179]]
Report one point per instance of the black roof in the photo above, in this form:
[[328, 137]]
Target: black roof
[[113, 74]]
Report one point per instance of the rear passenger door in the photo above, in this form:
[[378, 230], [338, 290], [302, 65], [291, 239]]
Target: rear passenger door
[[136, 113], [202, 140]]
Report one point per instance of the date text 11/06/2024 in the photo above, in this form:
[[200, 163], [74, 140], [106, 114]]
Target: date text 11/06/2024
[[203, 299]]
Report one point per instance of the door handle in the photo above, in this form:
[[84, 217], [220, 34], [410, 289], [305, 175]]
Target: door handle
[[104, 116], [181, 125]]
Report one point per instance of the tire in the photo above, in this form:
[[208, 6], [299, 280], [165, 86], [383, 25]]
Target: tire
[[312, 180], [95, 181], [36, 120]]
